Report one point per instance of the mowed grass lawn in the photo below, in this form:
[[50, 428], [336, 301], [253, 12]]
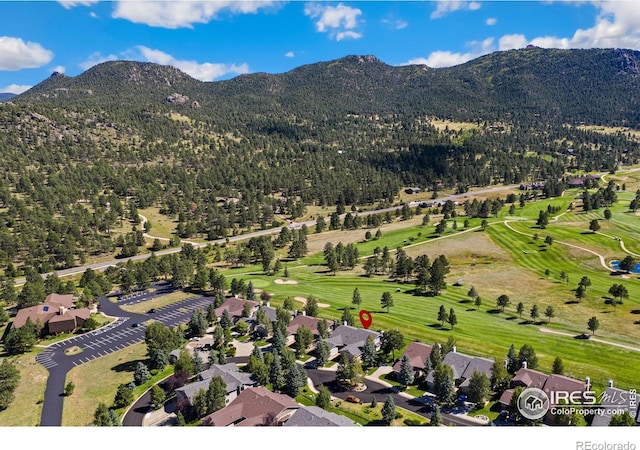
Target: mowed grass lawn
[[26, 408], [97, 381]]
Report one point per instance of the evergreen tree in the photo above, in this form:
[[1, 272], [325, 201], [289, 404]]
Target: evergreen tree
[[356, 299], [558, 366], [405, 376], [388, 411], [322, 353], [386, 301], [436, 417], [479, 387], [323, 399], [369, 355], [141, 374]]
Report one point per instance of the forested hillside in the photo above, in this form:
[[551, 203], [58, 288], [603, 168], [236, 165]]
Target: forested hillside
[[82, 154]]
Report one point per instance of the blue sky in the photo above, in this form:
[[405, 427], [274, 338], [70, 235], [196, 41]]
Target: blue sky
[[216, 40]]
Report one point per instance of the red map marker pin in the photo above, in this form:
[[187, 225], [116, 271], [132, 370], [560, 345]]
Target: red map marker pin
[[365, 319]]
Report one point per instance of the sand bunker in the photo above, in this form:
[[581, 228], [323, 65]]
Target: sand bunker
[[281, 281], [304, 302]]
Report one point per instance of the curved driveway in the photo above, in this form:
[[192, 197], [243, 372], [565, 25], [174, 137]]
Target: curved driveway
[[115, 336]]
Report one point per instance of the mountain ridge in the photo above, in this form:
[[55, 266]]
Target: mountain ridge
[[547, 82]]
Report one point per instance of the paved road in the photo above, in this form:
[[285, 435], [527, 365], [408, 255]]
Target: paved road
[[103, 265], [116, 336]]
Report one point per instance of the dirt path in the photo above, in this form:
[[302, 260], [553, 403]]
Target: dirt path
[[594, 339], [143, 223]]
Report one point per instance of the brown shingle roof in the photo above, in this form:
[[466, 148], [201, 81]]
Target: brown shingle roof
[[530, 378], [417, 354], [65, 300], [251, 407], [234, 305], [35, 313], [307, 321]]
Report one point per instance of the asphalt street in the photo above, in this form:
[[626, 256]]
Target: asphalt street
[[116, 336]]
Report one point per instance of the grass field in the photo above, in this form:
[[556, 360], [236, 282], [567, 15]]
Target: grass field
[[112, 370], [161, 225], [25, 410]]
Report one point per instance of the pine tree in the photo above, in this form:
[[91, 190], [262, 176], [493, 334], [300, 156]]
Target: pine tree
[[389, 410], [405, 376]]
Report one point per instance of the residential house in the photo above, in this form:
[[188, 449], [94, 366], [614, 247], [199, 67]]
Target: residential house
[[235, 306], [612, 400], [417, 353], [529, 378], [579, 181], [254, 406], [235, 380], [350, 340], [57, 315], [314, 416], [463, 367]]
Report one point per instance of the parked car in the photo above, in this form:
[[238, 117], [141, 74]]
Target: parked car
[[354, 399], [135, 324]]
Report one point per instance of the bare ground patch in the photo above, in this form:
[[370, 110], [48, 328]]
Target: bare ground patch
[[469, 248], [316, 242]]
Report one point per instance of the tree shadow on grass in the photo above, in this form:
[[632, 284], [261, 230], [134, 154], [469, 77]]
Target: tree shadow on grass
[[635, 311], [128, 366], [471, 309], [510, 318], [527, 322], [435, 325], [465, 301], [494, 311], [571, 302]]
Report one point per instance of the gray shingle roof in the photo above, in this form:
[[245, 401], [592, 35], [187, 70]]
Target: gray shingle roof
[[313, 416]]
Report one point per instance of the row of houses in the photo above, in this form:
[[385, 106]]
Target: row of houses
[[463, 366], [247, 403], [343, 338]]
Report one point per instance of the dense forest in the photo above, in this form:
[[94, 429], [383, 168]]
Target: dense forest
[[83, 154]]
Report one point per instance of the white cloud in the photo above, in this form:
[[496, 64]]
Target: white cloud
[[512, 41], [15, 88], [203, 72], [181, 14], [397, 24], [16, 54], [93, 15], [445, 7], [289, 54], [442, 58], [617, 25], [491, 21], [348, 35], [96, 58], [73, 3], [339, 21], [59, 69]]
